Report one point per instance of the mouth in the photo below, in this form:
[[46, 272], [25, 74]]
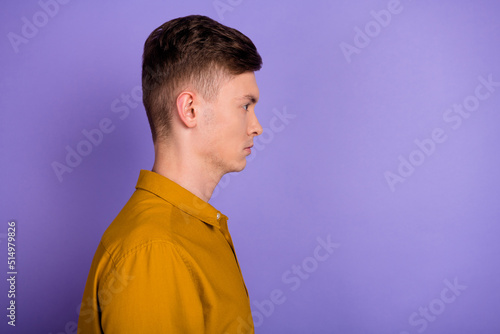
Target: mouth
[[248, 149]]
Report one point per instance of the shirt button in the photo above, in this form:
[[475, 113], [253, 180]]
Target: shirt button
[[218, 215]]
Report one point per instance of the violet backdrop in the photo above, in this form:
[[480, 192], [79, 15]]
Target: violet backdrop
[[369, 205]]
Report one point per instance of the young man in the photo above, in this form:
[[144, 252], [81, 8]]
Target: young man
[[166, 264]]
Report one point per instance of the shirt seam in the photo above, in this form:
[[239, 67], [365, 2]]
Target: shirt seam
[[135, 249]]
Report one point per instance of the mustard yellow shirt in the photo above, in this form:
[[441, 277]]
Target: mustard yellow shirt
[[166, 264]]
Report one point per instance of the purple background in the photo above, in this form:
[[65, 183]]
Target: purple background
[[321, 175]]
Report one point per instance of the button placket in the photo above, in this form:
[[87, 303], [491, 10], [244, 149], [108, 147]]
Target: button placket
[[225, 232]]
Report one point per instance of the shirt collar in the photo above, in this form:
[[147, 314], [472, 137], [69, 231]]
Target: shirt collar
[[180, 197]]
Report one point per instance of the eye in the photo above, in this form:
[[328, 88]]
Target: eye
[[246, 106]]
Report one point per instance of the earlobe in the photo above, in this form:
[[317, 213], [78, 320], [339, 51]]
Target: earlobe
[[185, 109]]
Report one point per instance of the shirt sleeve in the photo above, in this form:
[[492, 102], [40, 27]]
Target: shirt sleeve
[[150, 290]]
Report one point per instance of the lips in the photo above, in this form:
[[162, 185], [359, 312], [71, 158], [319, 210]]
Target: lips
[[249, 149]]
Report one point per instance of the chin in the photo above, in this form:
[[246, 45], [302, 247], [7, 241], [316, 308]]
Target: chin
[[238, 167]]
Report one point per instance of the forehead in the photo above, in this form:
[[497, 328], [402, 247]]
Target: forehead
[[240, 87]]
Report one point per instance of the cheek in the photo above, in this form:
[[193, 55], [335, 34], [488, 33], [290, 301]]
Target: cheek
[[229, 132], [228, 140]]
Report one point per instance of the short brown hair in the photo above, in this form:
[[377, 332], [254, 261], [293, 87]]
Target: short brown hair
[[193, 50]]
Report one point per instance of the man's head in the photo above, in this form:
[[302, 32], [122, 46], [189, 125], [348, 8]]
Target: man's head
[[199, 91], [192, 53]]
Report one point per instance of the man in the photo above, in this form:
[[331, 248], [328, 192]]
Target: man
[[166, 264]]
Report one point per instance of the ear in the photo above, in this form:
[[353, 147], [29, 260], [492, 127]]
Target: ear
[[185, 109]]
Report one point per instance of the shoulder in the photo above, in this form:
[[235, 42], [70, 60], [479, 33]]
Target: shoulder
[[146, 223]]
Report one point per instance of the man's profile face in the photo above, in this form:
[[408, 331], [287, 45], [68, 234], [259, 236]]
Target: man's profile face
[[231, 124]]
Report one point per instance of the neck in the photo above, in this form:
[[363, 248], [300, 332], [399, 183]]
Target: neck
[[174, 161]]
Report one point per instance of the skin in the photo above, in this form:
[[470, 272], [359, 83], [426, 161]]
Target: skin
[[210, 138]]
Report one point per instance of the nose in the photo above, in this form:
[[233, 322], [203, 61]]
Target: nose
[[254, 127]]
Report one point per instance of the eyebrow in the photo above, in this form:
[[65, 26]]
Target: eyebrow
[[250, 98]]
